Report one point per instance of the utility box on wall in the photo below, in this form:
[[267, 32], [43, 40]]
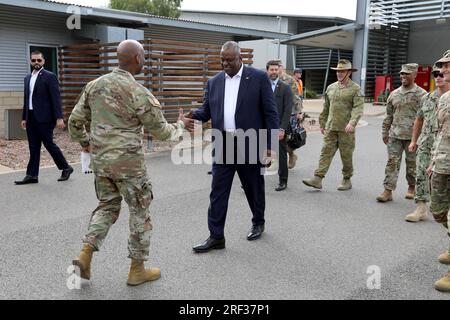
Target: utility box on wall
[[383, 87], [423, 77], [13, 130]]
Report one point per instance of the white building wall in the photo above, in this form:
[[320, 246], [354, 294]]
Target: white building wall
[[263, 50], [266, 23]]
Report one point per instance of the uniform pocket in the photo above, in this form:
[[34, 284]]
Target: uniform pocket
[[144, 194]]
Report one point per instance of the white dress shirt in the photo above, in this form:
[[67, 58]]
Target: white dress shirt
[[274, 84], [33, 78], [230, 100]]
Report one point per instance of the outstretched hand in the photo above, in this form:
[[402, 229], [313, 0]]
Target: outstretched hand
[[187, 119]]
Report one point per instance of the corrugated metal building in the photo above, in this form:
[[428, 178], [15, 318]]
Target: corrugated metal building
[[26, 25], [314, 61], [387, 34]]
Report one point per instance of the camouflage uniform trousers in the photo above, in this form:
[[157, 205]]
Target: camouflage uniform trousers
[[395, 152], [440, 199], [332, 141], [423, 160], [137, 192]]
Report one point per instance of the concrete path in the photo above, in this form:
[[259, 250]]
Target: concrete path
[[317, 244]]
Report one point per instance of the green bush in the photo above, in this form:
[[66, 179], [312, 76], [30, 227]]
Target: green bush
[[310, 94]]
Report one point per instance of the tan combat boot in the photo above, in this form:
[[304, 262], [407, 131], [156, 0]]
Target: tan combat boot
[[346, 184], [385, 196], [315, 182], [445, 258], [411, 192], [419, 214], [443, 284], [83, 261], [138, 274], [292, 160]]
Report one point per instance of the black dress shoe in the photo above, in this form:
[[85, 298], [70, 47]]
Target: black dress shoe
[[209, 172], [255, 232], [209, 245], [65, 175], [27, 180], [281, 186]]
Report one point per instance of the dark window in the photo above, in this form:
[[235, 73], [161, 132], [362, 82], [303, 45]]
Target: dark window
[[50, 55]]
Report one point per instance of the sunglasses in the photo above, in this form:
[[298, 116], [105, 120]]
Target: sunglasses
[[405, 74], [36, 60], [438, 74]]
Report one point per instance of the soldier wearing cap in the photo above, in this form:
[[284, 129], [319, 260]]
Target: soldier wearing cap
[[297, 106], [424, 131], [342, 110], [401, 110], [440, 167]]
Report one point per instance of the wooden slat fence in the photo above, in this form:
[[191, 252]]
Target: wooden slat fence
[[175, 72]]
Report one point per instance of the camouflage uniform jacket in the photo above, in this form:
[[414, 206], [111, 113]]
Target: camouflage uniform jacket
[[428, 112], [342, 106], [441, 147], [401, 111], [297, 106], [117, 108]]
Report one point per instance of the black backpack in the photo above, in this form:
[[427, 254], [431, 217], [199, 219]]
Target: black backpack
[[296, 134]]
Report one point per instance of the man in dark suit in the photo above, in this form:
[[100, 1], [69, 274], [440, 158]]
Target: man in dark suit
[[283, 96], [238, 99], [41, 112]]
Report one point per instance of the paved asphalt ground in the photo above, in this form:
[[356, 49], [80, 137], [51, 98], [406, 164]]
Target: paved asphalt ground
[[317, 244]]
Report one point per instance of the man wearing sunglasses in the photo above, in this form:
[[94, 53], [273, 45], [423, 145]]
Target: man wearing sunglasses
[[425, 128], [401, 110], [440, 168], [41, 112]]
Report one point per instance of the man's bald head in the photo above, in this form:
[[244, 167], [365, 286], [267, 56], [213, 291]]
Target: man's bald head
[[131, 56]]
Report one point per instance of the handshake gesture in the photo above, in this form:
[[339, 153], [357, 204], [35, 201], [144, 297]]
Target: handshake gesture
[[187, 119]]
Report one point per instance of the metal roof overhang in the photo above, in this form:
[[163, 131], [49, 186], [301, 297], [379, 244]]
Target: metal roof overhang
[[337, 37], [139, 19]]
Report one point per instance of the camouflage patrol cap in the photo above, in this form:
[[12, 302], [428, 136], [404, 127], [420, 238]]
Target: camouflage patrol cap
[[445, 58], [344, 64], [409, 68], [435, 68]]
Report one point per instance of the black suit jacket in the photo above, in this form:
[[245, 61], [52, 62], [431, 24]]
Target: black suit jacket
[[283, 96], [255, 109], [46, 98]]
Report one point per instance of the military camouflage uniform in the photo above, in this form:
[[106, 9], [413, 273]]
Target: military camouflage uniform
[[297, 105], [427, 112], [401, 111], [343, 105], [117, 108], [440, 180]]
